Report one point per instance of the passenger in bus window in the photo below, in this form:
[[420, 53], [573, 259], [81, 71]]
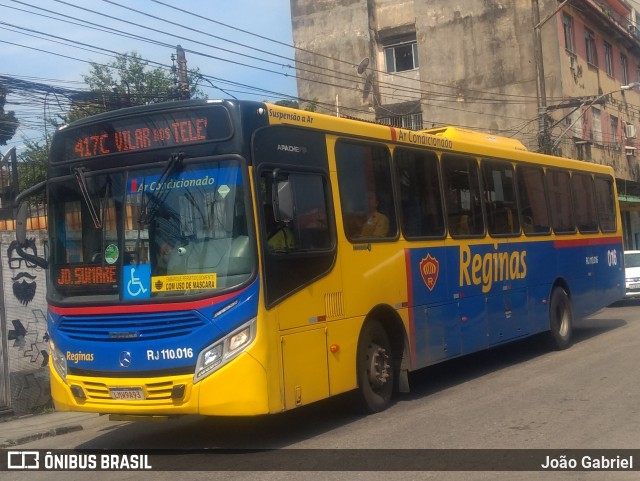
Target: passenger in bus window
[[377, 224], [281, 239]]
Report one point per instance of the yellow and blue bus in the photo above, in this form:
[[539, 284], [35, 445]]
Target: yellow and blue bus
[[241, 258]]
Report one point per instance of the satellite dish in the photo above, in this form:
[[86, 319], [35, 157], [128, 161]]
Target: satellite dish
[[362, 66]]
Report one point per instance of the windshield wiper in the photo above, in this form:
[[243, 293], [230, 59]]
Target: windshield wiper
[[174, 165], [79, 173]]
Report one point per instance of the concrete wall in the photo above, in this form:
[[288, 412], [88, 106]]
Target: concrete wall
[[475, 56], [468, 52], [340, 30], [23, 314]]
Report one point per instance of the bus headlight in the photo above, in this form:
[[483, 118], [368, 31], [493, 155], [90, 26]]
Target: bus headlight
[[59, 361], [216, 355]]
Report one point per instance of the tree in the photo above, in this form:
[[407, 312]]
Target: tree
[[310, 106], [8, 120], [32, 165], [126, 82], [123, 83]]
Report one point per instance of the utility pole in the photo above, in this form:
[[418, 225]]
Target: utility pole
[[544, 137], [543, 132], [183, 81]]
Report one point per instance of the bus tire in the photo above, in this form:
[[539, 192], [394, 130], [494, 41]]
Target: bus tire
[[374, 368], [560, 319]]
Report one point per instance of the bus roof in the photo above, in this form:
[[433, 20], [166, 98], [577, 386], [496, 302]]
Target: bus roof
[[457, 133]]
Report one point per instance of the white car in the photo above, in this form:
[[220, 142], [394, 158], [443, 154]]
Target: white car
[[632, 273]]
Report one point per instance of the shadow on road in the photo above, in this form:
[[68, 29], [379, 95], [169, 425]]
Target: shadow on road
[[282, 430]]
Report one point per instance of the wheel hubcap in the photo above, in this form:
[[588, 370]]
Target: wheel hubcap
[[378, 365]]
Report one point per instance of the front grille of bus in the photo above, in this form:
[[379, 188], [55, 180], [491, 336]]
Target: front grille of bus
[[156, 391], [130, 327]]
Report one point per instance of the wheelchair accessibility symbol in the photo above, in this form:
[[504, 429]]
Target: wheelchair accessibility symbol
[[137, 281]]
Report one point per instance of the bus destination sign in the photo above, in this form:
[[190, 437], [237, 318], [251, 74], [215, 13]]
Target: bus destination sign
[[86, 276], [151, 131]]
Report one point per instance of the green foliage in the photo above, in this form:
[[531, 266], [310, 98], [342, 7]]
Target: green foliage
[[8, 120], [126, 82], [32, 165], [310, 106], [293, 104]]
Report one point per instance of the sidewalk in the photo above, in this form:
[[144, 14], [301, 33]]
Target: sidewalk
[[21, 430]]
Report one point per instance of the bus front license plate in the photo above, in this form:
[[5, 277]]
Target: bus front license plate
[[127, 394]]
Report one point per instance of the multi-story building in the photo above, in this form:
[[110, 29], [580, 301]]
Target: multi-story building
[[547, 72]]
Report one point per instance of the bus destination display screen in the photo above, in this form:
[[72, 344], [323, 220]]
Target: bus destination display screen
[[147, 131], [86, 276]]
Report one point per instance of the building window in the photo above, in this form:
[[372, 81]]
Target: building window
[[597, 127], [614, 129], [408, 121], [567, 22], [592, 55], [608, 59], [625, 72], [401, 55]]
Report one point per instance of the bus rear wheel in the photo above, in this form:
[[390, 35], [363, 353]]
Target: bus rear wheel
[[560, 319], [374, 368]]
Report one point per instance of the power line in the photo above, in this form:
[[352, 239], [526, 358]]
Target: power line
[[254, 90]]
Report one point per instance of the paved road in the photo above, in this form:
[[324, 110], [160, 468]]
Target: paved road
[[517, 396]]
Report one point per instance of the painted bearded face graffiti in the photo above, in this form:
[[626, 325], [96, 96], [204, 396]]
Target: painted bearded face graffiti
[[24, 283], [24, 287]]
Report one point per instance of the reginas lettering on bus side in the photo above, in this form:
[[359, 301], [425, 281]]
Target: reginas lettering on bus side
[[485, 269]]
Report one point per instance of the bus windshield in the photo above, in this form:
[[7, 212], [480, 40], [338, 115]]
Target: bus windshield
[[173, 230]]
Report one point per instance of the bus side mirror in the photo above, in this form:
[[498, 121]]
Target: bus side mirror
[[282, 198], [22, 215]]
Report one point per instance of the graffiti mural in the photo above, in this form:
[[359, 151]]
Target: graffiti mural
[[24, 285], [26, 327]]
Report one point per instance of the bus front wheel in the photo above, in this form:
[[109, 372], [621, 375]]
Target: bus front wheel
[[560, 319], [374, 368]]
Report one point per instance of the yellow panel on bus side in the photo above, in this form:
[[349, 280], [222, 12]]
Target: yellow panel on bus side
[[306, 375], [342, 342]]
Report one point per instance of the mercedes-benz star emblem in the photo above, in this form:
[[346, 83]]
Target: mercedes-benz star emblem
[[125, 359]]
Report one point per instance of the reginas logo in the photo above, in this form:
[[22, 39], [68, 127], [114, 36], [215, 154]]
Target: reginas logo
[[429, 268], [485, 269], [76, 357]]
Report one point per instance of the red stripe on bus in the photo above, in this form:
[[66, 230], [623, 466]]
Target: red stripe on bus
[[412, 337], [394, 137], [132, 308], [599, 241]]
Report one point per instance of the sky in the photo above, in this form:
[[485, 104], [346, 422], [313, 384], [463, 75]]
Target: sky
[[241, 46]]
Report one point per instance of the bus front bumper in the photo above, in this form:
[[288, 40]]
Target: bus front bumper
[[236, 389]]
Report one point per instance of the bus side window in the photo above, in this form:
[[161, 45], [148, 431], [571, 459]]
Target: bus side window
[[500, 198], [462, 195], [533, 200], [606, 202], [584, 202], [420, 197], [366, 194], [559, 189], [308, 229]]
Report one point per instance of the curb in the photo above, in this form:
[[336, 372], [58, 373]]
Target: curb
[[41, 435]]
